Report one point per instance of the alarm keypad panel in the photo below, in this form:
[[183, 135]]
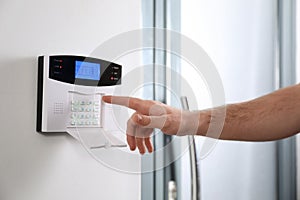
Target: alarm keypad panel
[[69, 92], [85, 110]]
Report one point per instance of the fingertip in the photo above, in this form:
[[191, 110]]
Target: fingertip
[[150, 150], [149, 145], [142, 152], [107, 99], [140, 145], [132, 148], [131, 142]]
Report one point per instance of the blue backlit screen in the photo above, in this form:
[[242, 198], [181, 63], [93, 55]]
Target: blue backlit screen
[[87, 70]]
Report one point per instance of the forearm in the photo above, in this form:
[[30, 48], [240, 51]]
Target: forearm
[[271, 117]]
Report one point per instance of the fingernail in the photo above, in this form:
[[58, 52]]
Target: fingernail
[[139, 117], [132, 148], [142, 152]]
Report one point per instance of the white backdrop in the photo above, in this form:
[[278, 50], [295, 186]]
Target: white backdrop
[[34, 166]]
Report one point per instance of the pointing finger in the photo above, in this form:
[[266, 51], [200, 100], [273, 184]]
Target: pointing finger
[[142, 106]]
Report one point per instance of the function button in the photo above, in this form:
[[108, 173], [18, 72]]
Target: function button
[[96, 116], [88, 116], [74, 102], [73, 123], [80, 123], [95, 122], [81, 116], [96, 109]]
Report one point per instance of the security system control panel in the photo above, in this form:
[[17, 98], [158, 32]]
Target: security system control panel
[[83, 71], [70, 89]]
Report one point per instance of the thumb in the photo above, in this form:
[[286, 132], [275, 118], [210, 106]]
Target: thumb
[[150, 121]]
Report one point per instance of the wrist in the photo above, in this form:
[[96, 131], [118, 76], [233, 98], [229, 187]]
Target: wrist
[[204, 119]]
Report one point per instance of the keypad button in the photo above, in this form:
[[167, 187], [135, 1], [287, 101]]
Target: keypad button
[[87, 116], [95, 122], [95, 116], [96, 109], [85, 113]]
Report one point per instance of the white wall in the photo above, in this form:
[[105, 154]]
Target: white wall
[[35, 166], [239, 37]]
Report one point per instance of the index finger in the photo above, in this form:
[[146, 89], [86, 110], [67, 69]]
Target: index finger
[[141, 106]]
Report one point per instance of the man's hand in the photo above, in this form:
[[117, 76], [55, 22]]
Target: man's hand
[[152, 114], [270, 117]]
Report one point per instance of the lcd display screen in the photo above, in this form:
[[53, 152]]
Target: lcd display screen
[[87, 70]]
